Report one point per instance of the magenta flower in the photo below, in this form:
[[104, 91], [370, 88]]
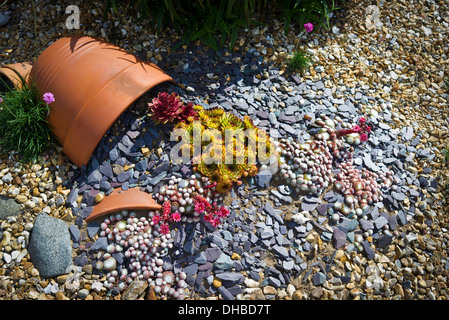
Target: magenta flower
[[164, 229], [49, 97], [362, 120], [357, 128], [176, 216], [308, 27], [215, 222], [363, 137], [156, 219]]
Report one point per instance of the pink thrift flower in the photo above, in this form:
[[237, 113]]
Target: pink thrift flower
[[363, 137], [48, 97], [308, 27], [164, 229], [176, 216]]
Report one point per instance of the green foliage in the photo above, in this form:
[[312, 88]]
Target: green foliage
[[23, 124], [300, 61], [304, 11], [215, 21]]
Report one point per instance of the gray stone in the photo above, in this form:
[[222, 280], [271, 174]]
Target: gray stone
[[384, 240], [124, 176], [225, 293], [4, 18], [224, 262], [212, 254], [74, 233], [399, 196], [50, 248], [280, 251], [92, 228], [142, 165], [368, 250], [380, 222], [339, 238], [268, 208], [94, 177], [8, 208], [318, 279], [230, 278], [100, 244], [114, 154], [263, 178]]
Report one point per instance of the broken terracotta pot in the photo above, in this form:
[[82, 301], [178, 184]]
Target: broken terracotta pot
[[9, 76], [93, 83], [118, 200]]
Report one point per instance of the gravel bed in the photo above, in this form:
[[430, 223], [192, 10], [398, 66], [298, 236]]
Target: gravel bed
[[276, 244]]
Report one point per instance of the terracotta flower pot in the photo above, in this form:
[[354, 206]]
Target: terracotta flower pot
[[10, 77], [93, 83], [118, 200]]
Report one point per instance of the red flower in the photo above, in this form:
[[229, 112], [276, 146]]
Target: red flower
[[357, 128], [362, 120]]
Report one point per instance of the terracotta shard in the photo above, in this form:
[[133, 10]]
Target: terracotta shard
[[8, 73], [93, 83], [118, 200]]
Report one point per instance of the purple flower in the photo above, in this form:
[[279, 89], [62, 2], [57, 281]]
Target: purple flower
[[308, 27], [49, 98]]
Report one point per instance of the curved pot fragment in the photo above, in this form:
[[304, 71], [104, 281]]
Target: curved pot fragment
[[118, 200], [8, 75]]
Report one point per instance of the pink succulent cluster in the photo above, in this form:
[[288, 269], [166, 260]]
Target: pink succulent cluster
[[166, 216], [169, 108], [212, 213], [362, 128]]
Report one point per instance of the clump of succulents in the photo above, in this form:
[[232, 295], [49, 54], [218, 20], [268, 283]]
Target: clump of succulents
[[168, 108], [227, 159], [187, 200]]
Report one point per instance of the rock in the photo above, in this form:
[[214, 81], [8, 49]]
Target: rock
[[8, 208], [94, 177], [224, 262], [230, 278], [368, 250], [135, 289], [50, 248], [263, 178], [339, 238], [318, 278], [4, 18]]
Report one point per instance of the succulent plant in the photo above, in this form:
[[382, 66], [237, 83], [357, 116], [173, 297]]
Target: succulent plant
[[237, 158], [169, 108]]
